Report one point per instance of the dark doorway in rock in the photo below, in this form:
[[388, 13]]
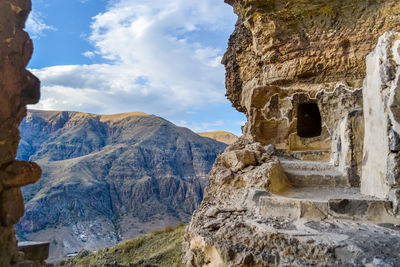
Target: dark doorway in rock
[[308, 120]]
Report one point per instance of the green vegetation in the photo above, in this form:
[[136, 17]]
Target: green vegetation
[[159, 248]]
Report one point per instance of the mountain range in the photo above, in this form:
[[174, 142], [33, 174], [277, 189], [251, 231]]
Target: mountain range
[[108, 178]]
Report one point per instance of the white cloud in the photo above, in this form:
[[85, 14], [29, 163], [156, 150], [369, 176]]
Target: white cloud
[[100, 89], [36, 26], [159, 60], [89, 54]]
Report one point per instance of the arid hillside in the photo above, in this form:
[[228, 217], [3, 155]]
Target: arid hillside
[[109, 178]]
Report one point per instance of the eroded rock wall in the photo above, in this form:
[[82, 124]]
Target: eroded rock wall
[[381, 168], [18, 87], [283, 50], [290, 64]]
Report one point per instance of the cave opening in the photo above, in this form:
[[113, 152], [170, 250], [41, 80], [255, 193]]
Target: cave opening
[[309, 123]]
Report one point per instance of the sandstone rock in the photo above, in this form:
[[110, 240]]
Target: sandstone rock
[[224, 176], [295, 68], [239, 159], [266, 174], [20, 173], [18, 87], [281, 56], [284, 43], [270, 149], [278, 181], [213, 212], [241, 155], [255, 194], [259, 233], [11, 206], [8, 246]]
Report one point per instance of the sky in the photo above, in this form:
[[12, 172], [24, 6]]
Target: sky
[[155, 56]]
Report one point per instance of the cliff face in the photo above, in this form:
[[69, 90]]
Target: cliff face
[[18, 87], [287, 52], [303, 41], [315, 178], [109, 178]]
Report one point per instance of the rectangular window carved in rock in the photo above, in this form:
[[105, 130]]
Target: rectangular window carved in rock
[[308, 120]]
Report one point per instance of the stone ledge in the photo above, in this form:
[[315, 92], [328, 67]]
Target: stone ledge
[[35, 251]]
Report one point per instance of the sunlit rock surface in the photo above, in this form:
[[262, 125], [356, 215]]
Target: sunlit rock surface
[[322, 187], [287, 52]]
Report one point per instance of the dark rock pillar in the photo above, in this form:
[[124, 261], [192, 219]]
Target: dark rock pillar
[[18, 87]]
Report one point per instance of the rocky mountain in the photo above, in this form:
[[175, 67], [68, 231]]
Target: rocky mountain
[[220, 136], [107, 178]]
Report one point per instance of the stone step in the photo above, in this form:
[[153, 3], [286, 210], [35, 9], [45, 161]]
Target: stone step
[[34, 251], [327, 203], [309, 155], [292, 164], [305, 178], [313, 173]]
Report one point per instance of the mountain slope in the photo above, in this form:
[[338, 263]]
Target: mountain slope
[[159, 248], [109, 178], [221, 136]]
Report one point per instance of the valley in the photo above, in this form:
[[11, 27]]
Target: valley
[[109, 178]]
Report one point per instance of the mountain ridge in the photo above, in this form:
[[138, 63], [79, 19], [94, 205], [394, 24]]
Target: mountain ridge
[[221, 136], [106, 181]]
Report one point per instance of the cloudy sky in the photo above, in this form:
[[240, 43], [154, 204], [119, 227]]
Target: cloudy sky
[[156, 56]]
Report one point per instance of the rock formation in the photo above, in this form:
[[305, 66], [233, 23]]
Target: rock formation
[[315, 177], [381, 160], [18, 87], [108, 178]]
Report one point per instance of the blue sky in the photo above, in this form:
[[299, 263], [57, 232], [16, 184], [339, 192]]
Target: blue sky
[[156, 56]]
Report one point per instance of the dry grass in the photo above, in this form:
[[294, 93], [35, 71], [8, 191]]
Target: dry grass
[[159, 248]]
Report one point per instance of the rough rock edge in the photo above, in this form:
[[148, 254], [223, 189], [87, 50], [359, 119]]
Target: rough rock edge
[[296, 45], [18, 87], [266, 56], [228, 229]]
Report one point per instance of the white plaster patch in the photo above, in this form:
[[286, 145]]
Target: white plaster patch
[[396, 51], [376, 116]]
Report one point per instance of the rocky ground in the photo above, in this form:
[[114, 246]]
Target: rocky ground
[[251, 215]]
